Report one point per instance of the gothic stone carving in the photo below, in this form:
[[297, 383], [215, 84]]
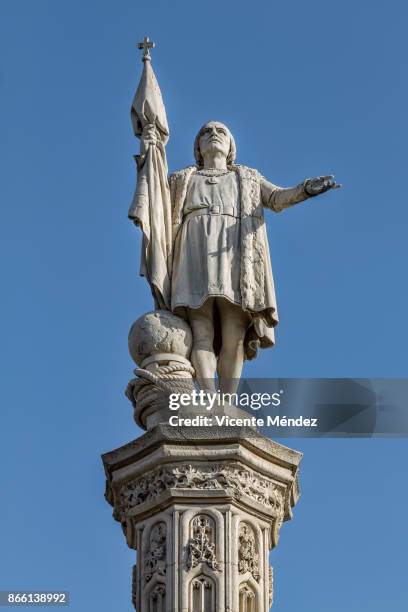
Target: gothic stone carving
[[239, 480], [202, 597], [247, 599], [201, 548], [157, 599], [248, 558], [154, 561]]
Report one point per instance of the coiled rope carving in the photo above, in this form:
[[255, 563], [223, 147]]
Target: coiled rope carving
[[152, 389]]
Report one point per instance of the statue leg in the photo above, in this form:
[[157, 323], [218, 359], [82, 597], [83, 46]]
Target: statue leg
[[234, 324], [202, 354]]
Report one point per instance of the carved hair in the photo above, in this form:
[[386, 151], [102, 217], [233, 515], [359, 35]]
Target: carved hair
[[232, 150]]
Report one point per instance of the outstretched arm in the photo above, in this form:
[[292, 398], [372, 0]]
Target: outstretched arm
[[279, 198]]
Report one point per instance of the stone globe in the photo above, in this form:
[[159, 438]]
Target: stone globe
[[159, 332]]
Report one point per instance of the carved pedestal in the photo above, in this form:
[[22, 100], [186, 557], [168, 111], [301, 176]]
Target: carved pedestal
[[202, 508]]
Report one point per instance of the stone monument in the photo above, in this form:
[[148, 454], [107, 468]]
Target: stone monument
[[202, 506]]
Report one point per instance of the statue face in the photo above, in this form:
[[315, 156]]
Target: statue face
[[215, 138]]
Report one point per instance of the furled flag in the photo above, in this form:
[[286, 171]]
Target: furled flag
[[151, 207]]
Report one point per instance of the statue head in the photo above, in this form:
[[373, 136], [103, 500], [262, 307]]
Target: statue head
[[214, 136]]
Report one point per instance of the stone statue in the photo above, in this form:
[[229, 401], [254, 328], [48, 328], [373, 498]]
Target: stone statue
[[202, 505], [209, 262]]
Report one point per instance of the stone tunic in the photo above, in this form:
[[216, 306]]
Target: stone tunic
[[207, 250], [220, 246]]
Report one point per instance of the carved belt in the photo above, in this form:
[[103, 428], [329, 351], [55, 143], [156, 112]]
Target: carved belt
[[214, 209]]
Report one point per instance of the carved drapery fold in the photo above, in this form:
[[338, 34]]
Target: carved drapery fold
[[248, 556]]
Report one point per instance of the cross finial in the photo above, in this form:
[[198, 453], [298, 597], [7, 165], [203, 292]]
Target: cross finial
[[146, 45]]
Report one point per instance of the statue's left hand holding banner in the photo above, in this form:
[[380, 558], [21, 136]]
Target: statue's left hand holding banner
[[151, 206]]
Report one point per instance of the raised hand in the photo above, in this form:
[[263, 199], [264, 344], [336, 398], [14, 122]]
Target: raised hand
[[320, 184]]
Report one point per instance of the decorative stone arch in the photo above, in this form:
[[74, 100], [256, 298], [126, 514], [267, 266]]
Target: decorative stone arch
[[149, 525], [186, 523], [248, 598], [202, 542], [156, 597], [249, 548], [154, 557], [203, 595], [251, 574], [203, 569], [154, 552]]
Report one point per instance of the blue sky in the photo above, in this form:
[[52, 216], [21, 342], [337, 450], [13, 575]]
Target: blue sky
[[307, 88]]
